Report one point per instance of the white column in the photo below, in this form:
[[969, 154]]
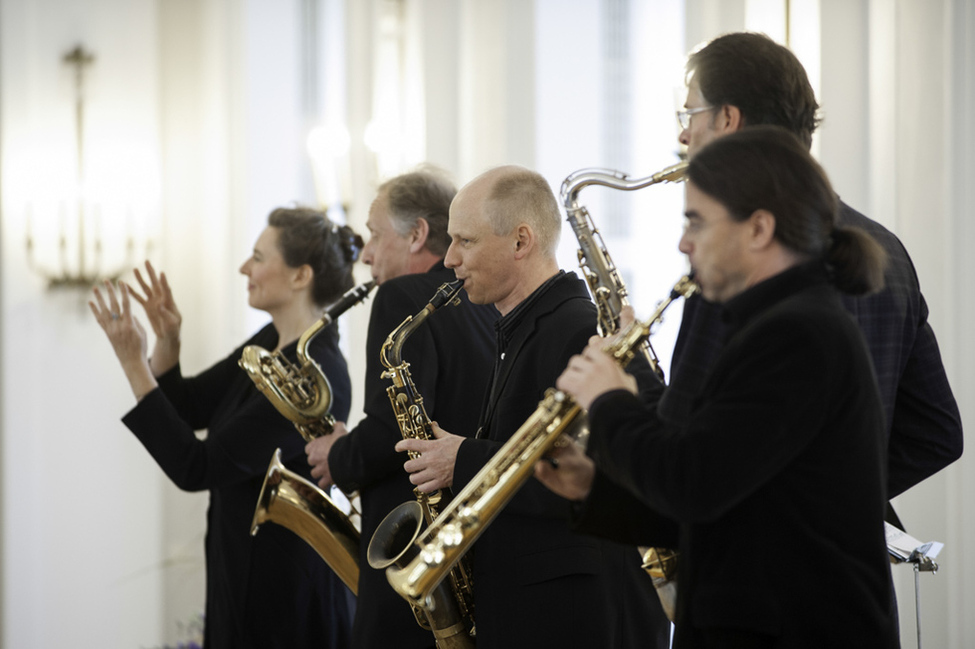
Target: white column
[[847, 108], [497, 85], [958, 134]]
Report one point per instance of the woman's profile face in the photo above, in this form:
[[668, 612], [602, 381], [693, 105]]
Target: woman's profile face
[[270, 280]]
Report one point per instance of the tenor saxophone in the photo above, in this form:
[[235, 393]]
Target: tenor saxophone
[[609, 294], [449, 614], [608, 290], [303, 395], [443, 544]]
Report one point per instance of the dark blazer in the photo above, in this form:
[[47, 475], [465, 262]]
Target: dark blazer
[[777, 479], [450, 358], [271, 589], [923, 422], [537, 583]]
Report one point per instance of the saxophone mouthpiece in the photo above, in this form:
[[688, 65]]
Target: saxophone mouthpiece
[[447, 293]]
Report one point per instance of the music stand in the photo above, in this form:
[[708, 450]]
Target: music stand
[[904, 548]]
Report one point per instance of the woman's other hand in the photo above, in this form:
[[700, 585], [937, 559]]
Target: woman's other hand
[[125, 334]]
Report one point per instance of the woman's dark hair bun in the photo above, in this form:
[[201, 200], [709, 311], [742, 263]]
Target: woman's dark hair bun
[[307, 236]]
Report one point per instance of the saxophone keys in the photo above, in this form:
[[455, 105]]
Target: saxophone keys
[[451, 535], [433, 556]]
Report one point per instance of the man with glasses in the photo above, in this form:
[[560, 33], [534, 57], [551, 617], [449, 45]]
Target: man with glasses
[[743, 79], [684, 116]]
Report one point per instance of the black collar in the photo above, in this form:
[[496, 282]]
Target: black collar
[[508, 323], [746, 305]]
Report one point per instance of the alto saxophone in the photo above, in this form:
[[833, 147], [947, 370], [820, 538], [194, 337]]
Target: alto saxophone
[[449, 614], [451, 535], [609, 294], [303, 395]]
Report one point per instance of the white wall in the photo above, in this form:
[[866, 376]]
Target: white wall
[[81, 501], [200, 98], [894, 96]]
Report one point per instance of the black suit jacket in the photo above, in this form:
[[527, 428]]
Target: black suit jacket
[[450, 359], [777, 478], [536, 582], [923, 422]]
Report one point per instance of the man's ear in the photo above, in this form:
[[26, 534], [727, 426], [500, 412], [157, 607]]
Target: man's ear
[[762, 229], [524, 240], [418, 235], [728, 119]]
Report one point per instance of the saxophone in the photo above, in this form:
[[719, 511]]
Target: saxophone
[[608, 290], [303, 395], [299, 505], [451, 535], [450, 611], [609, 294]]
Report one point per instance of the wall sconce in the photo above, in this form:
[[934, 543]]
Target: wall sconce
[[74, 224]]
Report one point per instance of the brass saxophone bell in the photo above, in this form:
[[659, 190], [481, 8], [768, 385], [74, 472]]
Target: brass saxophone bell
[[295, 503]]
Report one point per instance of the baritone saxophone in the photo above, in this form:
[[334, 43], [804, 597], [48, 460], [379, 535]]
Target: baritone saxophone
[[450, 612], [450, 536], [609, 294], [303, 395], [300, 392]]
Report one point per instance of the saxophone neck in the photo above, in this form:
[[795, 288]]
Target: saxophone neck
[[348, 300], [391, 354], [623, 346], [576, 181]]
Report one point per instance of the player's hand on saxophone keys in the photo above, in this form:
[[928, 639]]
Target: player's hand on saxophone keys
[[317, 451], [592, 373], [431, 463], [567, 471]]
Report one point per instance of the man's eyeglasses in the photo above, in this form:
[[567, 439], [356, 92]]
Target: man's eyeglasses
[[684, 116]]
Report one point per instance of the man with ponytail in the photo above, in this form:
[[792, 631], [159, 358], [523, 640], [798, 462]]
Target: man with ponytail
[[777, 476]]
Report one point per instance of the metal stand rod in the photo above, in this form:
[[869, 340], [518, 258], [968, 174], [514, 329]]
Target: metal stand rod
[[917, 601]]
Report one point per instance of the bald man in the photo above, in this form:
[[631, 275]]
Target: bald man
[[536, 583]]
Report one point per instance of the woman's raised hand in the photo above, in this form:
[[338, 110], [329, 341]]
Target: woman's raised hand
[[164, 318], [158, 302], [124, 332], [128, 338]]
